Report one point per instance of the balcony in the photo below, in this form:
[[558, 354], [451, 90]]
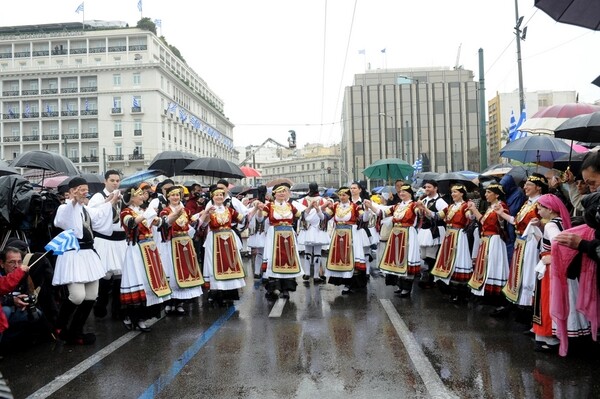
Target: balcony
[[68, 90], [89, 136], [74, 159], [5, 55], [22, 54], [12, 139], [118, 133], [138, 47], [89, 112], [49, 136], [136, 110], [91, 158], [116, 111], [51, 114], [136, 157], [115, 157], [137, 132], [10, 93], [31, 137], [41, 53], [71, 136], [68, 113], [49, 91], [30, 92], [97, 49], [30, 115], [78, 51], [58, 51], [89, 89], [113, 49]]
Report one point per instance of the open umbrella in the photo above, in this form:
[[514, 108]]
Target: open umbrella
[[571, 161], [250, 172], [7, 170], [535, 149], [446, 180], [585, 128], [499, 169], [279, 180], [53, 182], [214, 167], [45, 160], [389, 168], [140, 177], [546, 120], [171, 162], [95, 182], [584, 13]]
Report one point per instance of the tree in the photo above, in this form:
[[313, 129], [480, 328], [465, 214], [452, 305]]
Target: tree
[[147, 24]]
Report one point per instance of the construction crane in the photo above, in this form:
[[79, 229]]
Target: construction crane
[[456, 64]]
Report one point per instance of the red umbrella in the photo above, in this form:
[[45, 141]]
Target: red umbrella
[[546, 120], [250, 172]]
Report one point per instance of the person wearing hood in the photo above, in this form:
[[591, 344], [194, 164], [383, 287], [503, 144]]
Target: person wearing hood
[[313, 233], [514, 198]]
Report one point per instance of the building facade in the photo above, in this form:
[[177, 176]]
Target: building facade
[[107, 96], [423, 113]]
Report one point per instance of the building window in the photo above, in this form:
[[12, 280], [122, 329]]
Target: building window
[[137, 79], [117, 79], [118, 149]]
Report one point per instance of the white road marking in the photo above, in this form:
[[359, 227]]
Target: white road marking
[[433, 382], [278, 308]]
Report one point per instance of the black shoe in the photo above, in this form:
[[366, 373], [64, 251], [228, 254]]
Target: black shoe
[[141, 325], [529, 333], [100, 311], [347, 291], [404, 294], [284, 295], [256, 276], [541, 346], [500, 312], [127, 323], [306, 277], [398, 291]]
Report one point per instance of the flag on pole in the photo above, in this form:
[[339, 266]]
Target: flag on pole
[[140, 5], [158, 23], [79, 9], [27, 110], [87, 105], [513, 132], [136, 102], [63, 242], [48, 109], [172, 107], [383, 51], [182, 115], [361, 52], [418, 165]]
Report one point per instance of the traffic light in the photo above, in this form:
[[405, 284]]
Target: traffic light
[[292, 139]]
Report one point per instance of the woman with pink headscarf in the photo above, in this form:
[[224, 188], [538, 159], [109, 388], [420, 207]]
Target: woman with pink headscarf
[[553, 210]]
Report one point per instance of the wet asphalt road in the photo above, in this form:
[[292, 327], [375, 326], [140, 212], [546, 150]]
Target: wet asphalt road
[[371, 345]]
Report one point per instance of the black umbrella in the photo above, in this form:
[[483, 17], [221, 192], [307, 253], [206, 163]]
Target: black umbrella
[[95, 182], [584, 13], [584, 128], [7, 170], [45, 160], [572, 162], [446, 180], [214, 167], [171, 162]]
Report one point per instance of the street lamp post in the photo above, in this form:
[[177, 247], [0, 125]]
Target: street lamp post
[[394, 124]]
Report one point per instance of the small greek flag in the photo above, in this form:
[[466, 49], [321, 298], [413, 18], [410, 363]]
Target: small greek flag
[[172, 108], [136, 102], [140, 5], [27, 110], [87, 105], [48, 109], [182, 115], [63, 242], [418, 165], [79, 9], [513, 128]]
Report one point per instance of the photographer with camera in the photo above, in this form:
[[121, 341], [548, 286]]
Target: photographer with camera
[[19, 315]]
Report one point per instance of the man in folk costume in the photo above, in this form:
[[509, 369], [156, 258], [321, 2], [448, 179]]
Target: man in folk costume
[[111, 249], [519, 288], [490, 270], [346, 262], [257, 233], [177, 252], [313, 233], [143, 280], [281, 260], [80, 270], [431, 232], [223, 266], [401, 258]]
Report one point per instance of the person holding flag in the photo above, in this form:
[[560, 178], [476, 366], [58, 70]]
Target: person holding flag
[[80, 270]]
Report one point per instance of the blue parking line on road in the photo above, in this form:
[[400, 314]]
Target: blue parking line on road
[[163, 381]]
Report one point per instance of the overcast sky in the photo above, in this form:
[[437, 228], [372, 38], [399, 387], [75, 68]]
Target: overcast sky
[[283, 64]]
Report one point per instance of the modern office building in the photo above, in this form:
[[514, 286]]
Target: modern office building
[[107, 96], [422, 113], [503, 104]]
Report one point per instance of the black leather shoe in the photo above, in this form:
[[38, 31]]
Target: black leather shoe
[[127, 323], [141, 325], [500, 312]]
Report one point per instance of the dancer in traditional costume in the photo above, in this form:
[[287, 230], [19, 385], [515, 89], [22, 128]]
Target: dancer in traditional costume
[[257, 234], [366, 232], [490, 271], [178, 254], [143, 279], [281, 260], [401, 258], [520, 286], [313, 233], [223, 266], [454, 264], [80, 270], [111, 249], [346, 261]]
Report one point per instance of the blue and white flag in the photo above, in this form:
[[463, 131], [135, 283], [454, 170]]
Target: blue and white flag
[[182, 115], [87, 105], [48, 109], [158, 23], [136, 102], [79, 9], [418, 165], [172, 107], [11, 113], [27, 110], [63, 242], [513, 132], [140, 5]]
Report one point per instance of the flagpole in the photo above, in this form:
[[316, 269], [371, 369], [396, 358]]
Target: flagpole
[[83, 17]]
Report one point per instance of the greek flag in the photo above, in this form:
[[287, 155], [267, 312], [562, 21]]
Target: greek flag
[[140, 5], [48, 109], [158, 23], [87, 105], [172, 107], [136, 102], [513, 132], [27, 110], [79, 9], [63, 242], [418, 165], [182, 115], [11, 113]]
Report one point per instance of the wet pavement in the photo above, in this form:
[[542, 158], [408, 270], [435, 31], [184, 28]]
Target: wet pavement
[[324, 344]]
